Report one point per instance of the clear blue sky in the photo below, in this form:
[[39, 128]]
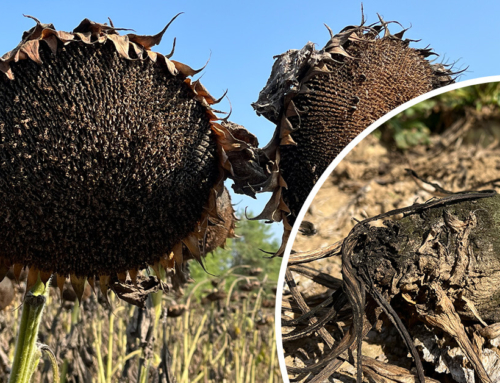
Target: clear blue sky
[[242, 37]]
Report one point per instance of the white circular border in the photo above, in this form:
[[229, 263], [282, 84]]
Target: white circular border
[[321, 181]]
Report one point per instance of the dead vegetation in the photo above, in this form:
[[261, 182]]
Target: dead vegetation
[[225, 335], [424, 286]]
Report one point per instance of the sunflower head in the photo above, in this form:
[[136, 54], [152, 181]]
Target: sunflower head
[[320, 100], [111, 158]]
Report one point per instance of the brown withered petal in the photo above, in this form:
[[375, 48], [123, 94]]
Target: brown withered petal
[[111, 159], [133, 275], [32, 278], [4, 269], [91, 282], [18, 268], [149, 41], [104, 285], [122, 277], [61, 280], [320, 100], [78, 284]]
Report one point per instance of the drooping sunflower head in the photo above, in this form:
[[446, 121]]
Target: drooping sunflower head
[[320, 100], [111, 159]]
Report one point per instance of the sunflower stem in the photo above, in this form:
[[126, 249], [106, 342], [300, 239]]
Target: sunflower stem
[[27, 355], [74, 320], [154, 303], [109, 366]]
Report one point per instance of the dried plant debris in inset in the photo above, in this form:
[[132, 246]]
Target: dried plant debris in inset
[[321, 99], [111, 158], [438, 266]]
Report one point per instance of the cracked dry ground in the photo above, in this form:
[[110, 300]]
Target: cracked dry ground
[[372, 180]]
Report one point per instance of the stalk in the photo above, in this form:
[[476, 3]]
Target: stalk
[[154, 301], [97, 341], [26, 356], [273, 354], [192, 349], [109, 365]]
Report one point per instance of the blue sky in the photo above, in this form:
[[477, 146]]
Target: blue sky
[[243, 37]]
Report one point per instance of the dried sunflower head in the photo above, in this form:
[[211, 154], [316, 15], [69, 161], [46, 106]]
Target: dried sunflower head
[[321, 99], [111, 159]]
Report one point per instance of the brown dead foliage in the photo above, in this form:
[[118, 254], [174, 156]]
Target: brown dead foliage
[[443, 310]]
